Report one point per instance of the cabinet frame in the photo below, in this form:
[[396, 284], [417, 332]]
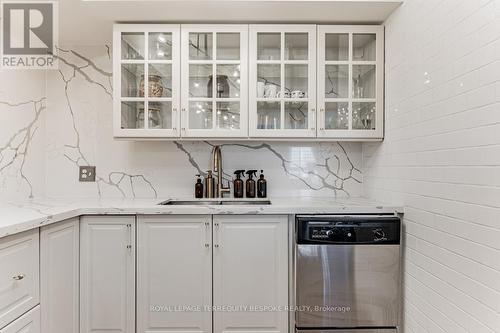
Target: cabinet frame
[[248, 131], [350, 133], [254, 30], [145, 132], [242, 29], [201, 225]]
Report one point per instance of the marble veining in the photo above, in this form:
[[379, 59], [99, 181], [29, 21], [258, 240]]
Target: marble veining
[[21, 216], [15, 150], [77, 130]]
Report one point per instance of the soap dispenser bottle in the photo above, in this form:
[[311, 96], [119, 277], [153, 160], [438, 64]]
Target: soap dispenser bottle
[[198, 188], [239, 186], [250, 184], [262, 186], [209, 185]]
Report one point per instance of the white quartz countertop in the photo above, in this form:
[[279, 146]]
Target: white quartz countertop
[[21, 216]]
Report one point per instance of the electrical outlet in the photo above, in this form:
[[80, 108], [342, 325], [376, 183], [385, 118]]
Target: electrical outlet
[[87, 174]]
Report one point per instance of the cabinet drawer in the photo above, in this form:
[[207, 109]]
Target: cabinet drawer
[[29, 323], [19, 275]]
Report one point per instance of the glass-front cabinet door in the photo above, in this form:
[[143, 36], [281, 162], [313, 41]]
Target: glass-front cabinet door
[[146, 80], [350, 82], [282, 93], [214, 81]]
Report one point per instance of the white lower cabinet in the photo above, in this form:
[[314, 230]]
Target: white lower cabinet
[[250, 270], [107, 277], [59, 278], [174, 274], [27, 323], [19, 275], [241, 260]]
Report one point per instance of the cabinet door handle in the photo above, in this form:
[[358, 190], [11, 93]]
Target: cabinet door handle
[[207, 235], [217, 241], [18, 277], [129, 229]]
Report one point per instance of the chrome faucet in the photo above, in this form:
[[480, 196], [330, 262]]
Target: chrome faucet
[[217, 167]]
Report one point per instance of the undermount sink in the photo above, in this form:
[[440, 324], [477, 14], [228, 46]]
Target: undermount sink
[[213, 202]]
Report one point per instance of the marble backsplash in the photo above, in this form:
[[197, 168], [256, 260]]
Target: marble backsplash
[[51, 122]]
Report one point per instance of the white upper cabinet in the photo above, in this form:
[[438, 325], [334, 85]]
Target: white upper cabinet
[[214, 80], [146, 80], [351, 82], [230, 82], [282, 81]]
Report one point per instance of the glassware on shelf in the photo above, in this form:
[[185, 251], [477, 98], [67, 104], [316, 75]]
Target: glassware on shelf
[[363, 115], [337, 116], [155, 120], [363, 81], [269, 115]]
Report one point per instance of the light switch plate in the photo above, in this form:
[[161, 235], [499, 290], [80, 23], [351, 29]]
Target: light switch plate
[[87, 174]]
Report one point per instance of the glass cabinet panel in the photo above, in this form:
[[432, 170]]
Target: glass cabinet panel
[[349, 67], [200, 46], [215, 76], [268, 81], [364, 47], [363, 115], [200, 80], [147, 82], [160, 46], [296, 81], [228, 115], [228, 81], [269, 115], [336, 81], [269, 46], [337, 116], [132, 80], [160, 80], [200, 115], [296, 115], [296, 46], [133, 45], [228, 46], [336, 47], [131, 114], [285, 94], [363, 81], [160, 115]]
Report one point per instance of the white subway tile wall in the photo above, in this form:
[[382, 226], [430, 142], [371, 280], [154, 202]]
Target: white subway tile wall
[[441, 160]]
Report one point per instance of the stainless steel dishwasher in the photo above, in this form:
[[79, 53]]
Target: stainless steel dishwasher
[[347, 274]]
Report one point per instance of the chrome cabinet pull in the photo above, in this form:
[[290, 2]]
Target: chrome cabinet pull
[[207, 226], [18, 277], [129, 246], [216, 245]]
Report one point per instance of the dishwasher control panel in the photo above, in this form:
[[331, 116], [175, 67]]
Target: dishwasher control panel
[[348, 229]]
